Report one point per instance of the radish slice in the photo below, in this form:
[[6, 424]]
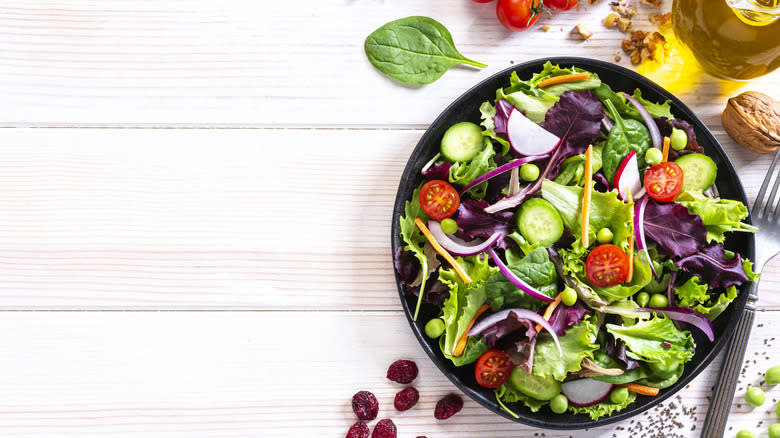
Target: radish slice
[[655, 133], [627, 177], [523, 286], [639, 232], [494, 318], [458, 247], [528, 138], [586, 392], [685, 314]]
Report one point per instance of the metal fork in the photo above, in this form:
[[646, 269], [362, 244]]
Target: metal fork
[[767, 218]]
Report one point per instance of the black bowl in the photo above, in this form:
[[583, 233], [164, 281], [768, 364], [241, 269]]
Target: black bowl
[[466, 108]]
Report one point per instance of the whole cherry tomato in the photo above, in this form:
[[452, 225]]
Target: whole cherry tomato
[[517, 15], [560, 5], [606, 265], [664, 181]]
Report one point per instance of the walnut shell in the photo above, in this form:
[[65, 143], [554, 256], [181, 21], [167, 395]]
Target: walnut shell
[[752, 119]]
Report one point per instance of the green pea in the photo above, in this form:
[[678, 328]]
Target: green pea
[[658, 300], [774, 430], [642, 298], [654, 156], [755, 396], [569, 296], [745, 434], [772, 375], [679, 139], [449, 226], [529, 172], [559, 404], [618, 395], [434, 328], [604, 235]]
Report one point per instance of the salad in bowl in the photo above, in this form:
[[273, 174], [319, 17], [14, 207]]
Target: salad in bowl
[[564, 251]]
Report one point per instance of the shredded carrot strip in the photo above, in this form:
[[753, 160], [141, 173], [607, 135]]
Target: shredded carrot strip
[[586, 195], [571, 77], [642, 389], [443, 252], [461, 346], [630, 241], [665, 150], [550, 309]]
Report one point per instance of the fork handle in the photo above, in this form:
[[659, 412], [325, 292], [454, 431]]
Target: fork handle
[[718, 413]]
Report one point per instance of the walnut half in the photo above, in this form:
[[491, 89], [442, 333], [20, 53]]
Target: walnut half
[[752, 119]]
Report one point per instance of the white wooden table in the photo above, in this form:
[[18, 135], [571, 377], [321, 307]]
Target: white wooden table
[[195, 202]]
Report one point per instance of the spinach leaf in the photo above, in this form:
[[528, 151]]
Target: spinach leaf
[[415, 50], [535, 269], [625, 136]]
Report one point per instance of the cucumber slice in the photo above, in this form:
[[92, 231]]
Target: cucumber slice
[[540, 388], [699, 171], [539, 222], [461, 142]]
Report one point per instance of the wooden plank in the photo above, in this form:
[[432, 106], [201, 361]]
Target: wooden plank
[[218, 219], [280, 374], [238, 63]]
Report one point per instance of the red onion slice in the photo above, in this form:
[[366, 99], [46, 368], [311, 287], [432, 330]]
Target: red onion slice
[[493, 319], [687, 315], [655, 133], [499, 170], [639, 231], [458, 247], [523, 286]]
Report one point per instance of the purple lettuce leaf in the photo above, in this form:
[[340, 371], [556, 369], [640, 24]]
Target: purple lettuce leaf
[[564, 316], [576, 120], [474, 222], [677, 232], [518, 339], [503, 108], [616, 349], [498, 183], [440, 170], [711, 265], [408, 268], [665, 126]]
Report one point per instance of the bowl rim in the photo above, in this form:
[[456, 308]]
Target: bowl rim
[[736, 308]]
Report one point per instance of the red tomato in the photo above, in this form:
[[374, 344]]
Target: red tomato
[[606, 265], [493, 368], [439, 199], [517, 15], [560, 5], [664, 181]]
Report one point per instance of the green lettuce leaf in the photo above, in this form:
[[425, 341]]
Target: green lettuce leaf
[[535, 107], [605, 408], [536, 269], [691, 292], [573, 168], [488, 112], [508, 394], [475, 346], [414, 239], [549, 70], [713, 309], [462, 173], [718, 215], [655, 340], [626, 109], [465, 299], [576, 346]]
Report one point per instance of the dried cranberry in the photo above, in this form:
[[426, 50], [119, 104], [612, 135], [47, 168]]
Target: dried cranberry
[[402, 371], [384, 429], [365, 405], [406, 399], [448, 406], [358, 430]]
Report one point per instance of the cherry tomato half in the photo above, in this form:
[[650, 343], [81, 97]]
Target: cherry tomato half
[[606, 265], [560, 5], [493, 368], [664, 181], [439, 199], [517, 15]]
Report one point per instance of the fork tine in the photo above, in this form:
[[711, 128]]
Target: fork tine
[[757, 210]]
